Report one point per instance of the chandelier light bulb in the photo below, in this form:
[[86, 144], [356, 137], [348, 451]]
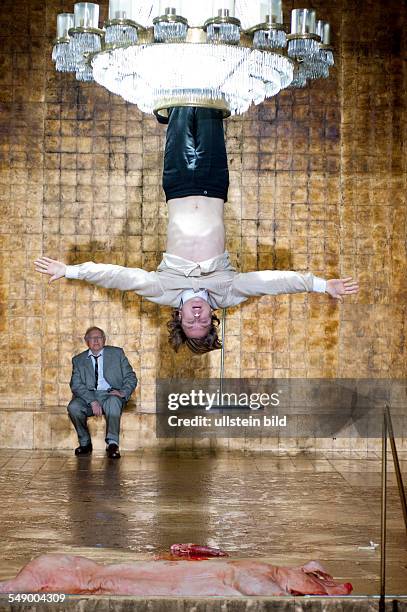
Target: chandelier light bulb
[[303, 21], [271, 11], [122, 9], [224, 8], [170, 7], [86, 15], [323, 29], [65, 21]]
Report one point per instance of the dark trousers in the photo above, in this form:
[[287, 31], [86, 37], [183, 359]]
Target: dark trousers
[[195, 160], [112, 407]]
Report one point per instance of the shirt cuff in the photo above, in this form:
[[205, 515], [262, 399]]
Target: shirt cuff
[[319, 285], [73, 272]]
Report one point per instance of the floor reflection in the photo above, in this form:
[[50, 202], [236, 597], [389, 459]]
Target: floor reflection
[[98, 505], [142, 506], [183, 497]]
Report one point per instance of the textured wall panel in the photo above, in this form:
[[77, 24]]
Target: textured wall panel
[[318, 182]]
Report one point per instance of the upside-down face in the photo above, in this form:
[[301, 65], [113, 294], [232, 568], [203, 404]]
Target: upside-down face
[[196, 318]]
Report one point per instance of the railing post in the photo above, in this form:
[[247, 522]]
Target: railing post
[[399, 477], [382, 602]]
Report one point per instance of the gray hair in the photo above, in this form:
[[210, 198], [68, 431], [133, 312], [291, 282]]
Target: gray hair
[[90, 329]]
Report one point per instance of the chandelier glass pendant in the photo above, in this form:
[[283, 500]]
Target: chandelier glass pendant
[[227, 54]]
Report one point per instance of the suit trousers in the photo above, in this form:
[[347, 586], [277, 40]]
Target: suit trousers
[[112, 407], [195, 160]]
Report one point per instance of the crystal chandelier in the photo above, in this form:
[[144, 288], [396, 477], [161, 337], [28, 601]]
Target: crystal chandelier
[[227, 54]]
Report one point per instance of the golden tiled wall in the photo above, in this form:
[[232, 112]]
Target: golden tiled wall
[[318, 182]]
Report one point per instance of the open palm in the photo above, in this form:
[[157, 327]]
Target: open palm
[[338, 287], [55, 269]]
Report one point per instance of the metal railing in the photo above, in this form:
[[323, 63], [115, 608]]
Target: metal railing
[[387, 431]]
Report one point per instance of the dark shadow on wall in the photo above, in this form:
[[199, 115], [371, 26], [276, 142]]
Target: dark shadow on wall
[[271, 258], [98, 252]]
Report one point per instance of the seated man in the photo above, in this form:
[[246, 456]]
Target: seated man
[[102, 382], [195, 276]]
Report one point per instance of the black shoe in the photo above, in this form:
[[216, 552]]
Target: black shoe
[[113, 451], [81, 451]]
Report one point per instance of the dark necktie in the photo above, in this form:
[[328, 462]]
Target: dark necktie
[[96, 357]]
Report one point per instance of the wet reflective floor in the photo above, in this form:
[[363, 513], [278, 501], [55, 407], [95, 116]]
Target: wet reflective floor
[[289, 509]]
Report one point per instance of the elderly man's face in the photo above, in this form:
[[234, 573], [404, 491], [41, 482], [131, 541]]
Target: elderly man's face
[[95, 341]]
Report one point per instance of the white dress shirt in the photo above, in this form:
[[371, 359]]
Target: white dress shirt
[[103, 385]]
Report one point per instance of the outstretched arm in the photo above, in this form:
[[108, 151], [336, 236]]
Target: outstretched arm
[[104, 275], [274, 282]]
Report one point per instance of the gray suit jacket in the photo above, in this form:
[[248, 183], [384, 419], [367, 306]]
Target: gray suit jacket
[[116, 370]]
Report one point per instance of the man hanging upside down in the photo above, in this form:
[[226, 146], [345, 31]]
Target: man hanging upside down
[[70, 574], [195, 276]]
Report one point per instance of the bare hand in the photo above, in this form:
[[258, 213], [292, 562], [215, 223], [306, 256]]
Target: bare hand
[[96, 408], [117, 393], [55, 269], [338, 287]]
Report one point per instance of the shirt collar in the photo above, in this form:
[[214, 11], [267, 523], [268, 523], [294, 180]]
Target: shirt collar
[[90, 354], [189, 294]]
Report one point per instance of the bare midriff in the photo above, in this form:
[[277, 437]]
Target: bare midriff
[[195, 228]]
